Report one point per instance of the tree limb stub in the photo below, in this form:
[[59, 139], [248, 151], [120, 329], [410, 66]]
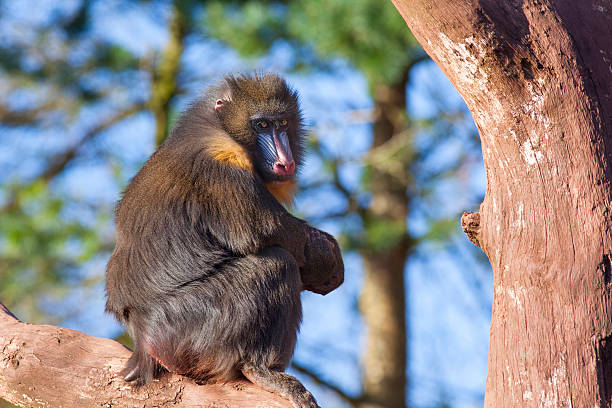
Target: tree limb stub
[[470, 223], [49, 366]]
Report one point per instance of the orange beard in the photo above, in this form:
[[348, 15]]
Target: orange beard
[[283, 191]]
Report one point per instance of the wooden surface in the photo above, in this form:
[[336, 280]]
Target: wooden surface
[[537, 78], [48, 366]]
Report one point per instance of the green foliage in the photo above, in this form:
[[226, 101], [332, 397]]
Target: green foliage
[[369, 33], [51, 76], [114, 57], [10, 58], [250, 28], [382, 234], [376, 235], [40, 248], [440, 230]]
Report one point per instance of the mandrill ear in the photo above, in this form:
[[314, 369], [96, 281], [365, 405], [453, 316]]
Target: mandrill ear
[[219, 104]]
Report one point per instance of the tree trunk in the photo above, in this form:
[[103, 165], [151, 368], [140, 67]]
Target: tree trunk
[[382, 301], [537, 77], [163, 82]]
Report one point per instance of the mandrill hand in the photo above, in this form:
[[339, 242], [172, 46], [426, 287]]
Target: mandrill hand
[[324, 270]]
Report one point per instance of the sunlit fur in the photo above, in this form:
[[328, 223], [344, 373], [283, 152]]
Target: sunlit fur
[[283, 191], [223, 148]]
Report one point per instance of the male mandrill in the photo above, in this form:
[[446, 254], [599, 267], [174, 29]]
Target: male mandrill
[[209, 266]]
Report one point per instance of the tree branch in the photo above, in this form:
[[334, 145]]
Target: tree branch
[[353, 203], [11, 117], [58, 162], [164, 83], [54, 366], [317, 379], [470, 223]]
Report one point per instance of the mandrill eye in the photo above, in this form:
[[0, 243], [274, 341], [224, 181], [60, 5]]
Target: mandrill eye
[[263, 124], [284, 122]]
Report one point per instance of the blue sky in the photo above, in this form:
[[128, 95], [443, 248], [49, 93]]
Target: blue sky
[[448, 315]]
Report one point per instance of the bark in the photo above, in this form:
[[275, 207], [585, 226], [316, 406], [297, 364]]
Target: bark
[[382, 301], [537, 77], [48, 366]]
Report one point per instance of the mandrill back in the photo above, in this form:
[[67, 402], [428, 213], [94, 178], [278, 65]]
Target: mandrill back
[[208, 267]]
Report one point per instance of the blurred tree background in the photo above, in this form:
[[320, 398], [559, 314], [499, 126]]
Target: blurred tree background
[[89, 88]]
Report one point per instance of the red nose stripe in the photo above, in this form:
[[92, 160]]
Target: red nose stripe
[[284, 166]]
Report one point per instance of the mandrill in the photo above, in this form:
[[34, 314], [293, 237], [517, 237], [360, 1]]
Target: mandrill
[[208, 268]]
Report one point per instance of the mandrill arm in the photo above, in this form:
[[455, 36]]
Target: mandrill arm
[[246, 218]]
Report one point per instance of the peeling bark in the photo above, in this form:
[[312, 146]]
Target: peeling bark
[[48, 366], [537, 77]]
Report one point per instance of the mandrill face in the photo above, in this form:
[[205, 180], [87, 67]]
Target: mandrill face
[[275, 156], [263, 117]]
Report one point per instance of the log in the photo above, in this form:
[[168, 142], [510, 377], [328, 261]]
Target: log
[[50, 366]]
